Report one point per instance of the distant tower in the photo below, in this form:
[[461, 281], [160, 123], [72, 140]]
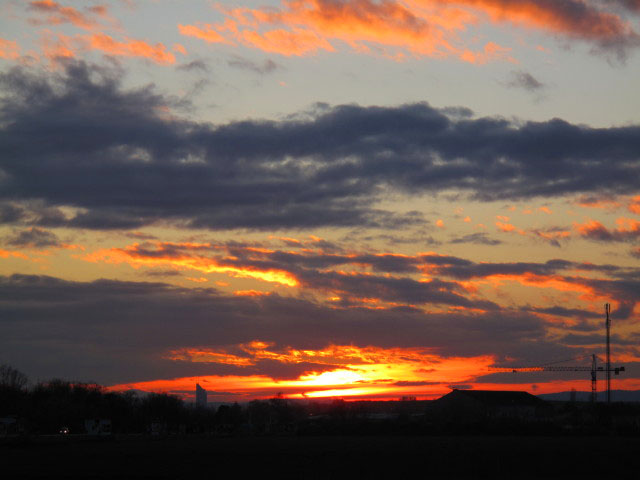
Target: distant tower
[[201, 396]]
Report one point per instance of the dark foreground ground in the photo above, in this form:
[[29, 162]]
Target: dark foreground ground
[[389, 457]]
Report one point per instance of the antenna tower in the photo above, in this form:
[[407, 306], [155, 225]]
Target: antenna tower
[[607, 309]]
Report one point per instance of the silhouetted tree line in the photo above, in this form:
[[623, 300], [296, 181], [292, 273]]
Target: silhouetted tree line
[[48, 406]]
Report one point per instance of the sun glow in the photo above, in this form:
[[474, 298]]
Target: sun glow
[[335, 371]]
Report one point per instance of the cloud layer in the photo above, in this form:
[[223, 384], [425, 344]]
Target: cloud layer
[[433, 28], [122, 159]]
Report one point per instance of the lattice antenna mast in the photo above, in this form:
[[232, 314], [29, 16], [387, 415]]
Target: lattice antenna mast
[[607, 309], [594, 379]]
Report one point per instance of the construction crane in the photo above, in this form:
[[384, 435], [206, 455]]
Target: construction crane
[[594, 368]]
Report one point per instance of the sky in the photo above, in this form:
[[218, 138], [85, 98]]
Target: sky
[[319, 198]]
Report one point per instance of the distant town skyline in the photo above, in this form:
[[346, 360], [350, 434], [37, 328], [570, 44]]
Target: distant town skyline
[[319, 198]]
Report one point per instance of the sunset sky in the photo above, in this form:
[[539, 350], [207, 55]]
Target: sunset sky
[[319, 198]]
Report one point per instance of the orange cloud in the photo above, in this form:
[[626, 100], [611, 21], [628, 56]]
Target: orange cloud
[[396, 29], [205, 32], [130, 48], [492, 51], [578, 19], [297, 42], [58, 14], [208, 356], [555, 282], [633, 203], [352, 22], [9, 49], [507, 227], [628, 229], [184, 255], [553, 235], [7, 254], [627, 225], [599, 202], [198, 279], [59, 46], [389, 28], [179, 48], [250, 293]]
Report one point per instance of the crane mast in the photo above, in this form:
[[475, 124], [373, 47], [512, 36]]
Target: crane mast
[[594, 368]]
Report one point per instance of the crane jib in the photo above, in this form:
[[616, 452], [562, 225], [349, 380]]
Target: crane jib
[[594, 368]]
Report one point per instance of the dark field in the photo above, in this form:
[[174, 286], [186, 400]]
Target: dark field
[[390, 457]]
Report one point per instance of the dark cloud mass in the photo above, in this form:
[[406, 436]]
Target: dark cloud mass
[[33, 237], [583, 19], [81, 140], [116, 332], [391, 278]]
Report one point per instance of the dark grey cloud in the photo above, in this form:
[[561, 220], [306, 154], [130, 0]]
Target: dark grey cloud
[[588, 20], [264, 68], [633, 5], [462, 269], [194, 65], [623, 287], [391, 289], [117, 332], [388, 277], [311, 271], [162, 273], [564, 312], [79, 139], [140, 236], [522, 79], [596, 339], [601, 233], [479, 238], [34, 237]]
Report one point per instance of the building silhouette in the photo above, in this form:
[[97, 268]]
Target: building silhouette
[[201, 396], [476, 404]]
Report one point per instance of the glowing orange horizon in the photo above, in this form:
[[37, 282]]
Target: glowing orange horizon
[[348, 371], [248, 388]]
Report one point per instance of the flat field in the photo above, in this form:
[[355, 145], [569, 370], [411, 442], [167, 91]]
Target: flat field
[[322, 457]]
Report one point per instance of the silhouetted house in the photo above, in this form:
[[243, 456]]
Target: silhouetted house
[[201, 396], [469, 405]]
